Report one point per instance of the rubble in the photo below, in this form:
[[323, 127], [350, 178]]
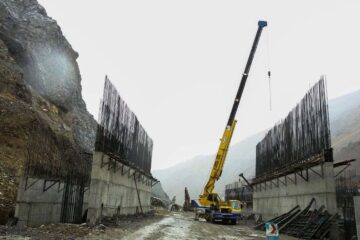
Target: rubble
[[52, 231], [157, 202], [116, 226]]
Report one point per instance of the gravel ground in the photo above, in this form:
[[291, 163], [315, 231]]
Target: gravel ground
[[181, 225], [165, 226]]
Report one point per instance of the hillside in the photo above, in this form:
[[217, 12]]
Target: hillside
[[345, 131], [43, 118], [345, 127], [158, 192]]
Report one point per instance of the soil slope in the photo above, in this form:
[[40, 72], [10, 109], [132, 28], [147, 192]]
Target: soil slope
[[43, 118]]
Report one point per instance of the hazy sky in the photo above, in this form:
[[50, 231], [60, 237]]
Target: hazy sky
[[178, 64]]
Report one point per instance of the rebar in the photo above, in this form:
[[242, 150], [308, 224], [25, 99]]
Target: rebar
[[304, 133], [119, 132]]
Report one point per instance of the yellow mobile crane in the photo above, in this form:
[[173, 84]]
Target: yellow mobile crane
[[209, 205]]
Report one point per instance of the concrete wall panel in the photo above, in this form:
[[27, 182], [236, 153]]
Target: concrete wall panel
[[114, 192], [34, 206], [273, 200], [357, 214]]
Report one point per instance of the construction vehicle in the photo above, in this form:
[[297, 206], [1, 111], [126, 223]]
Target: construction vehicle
[[209, 205], [187, 205]]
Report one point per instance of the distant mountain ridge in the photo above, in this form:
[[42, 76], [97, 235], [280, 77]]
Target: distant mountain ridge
[[344, 114], [340, 105]]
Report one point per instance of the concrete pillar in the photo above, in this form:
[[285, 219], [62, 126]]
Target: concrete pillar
[[357, 214]]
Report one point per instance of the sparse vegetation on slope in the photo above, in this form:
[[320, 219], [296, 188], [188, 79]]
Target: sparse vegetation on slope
[[42, 114]]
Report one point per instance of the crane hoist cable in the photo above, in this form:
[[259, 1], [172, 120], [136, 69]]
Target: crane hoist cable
[[209, 205], [268, 66]]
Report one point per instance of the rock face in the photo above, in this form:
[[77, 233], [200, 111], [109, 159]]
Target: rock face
[[158, 192], [42, 114], [48, 62]]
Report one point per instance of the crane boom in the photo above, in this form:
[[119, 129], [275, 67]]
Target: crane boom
[[229, 129]]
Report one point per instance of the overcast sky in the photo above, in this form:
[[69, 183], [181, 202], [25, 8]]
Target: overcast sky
[[178, 64]]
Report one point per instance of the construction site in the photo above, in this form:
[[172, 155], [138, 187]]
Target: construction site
[[285, 174]]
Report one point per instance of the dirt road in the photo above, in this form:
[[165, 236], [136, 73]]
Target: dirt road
[[164, 226], [183, 226]]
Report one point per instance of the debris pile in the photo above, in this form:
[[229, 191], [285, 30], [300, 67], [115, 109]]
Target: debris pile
[[157, 202], [53, 231], [158, 192], [117, 219], [174, 207], [305, 224]]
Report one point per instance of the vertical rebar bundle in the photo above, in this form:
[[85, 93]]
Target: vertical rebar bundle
[[347, 186], [119, 131], [305, 132]]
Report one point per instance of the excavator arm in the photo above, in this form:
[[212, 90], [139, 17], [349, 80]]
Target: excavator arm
[[229, 129]]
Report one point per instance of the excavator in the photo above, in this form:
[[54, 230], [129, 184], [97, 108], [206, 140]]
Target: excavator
[[209, 205]]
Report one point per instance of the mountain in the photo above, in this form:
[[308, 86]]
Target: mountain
[[339, 106], [345, 134], [194, 172], [345, 128]]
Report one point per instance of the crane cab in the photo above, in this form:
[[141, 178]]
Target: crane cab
[[211, 208], [212, 199], [236, 206]]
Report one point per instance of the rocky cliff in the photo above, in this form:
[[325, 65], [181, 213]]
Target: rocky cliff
[[42, 113], [158, 192], [48, 62]]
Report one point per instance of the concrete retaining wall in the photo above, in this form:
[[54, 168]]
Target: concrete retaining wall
[[113, 190], [34, 206], [357, 214], [273, 200]]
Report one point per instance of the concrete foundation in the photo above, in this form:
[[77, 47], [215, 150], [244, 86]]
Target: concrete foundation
[[357, 214], [278, 196], [116, 189], [35, 206]]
